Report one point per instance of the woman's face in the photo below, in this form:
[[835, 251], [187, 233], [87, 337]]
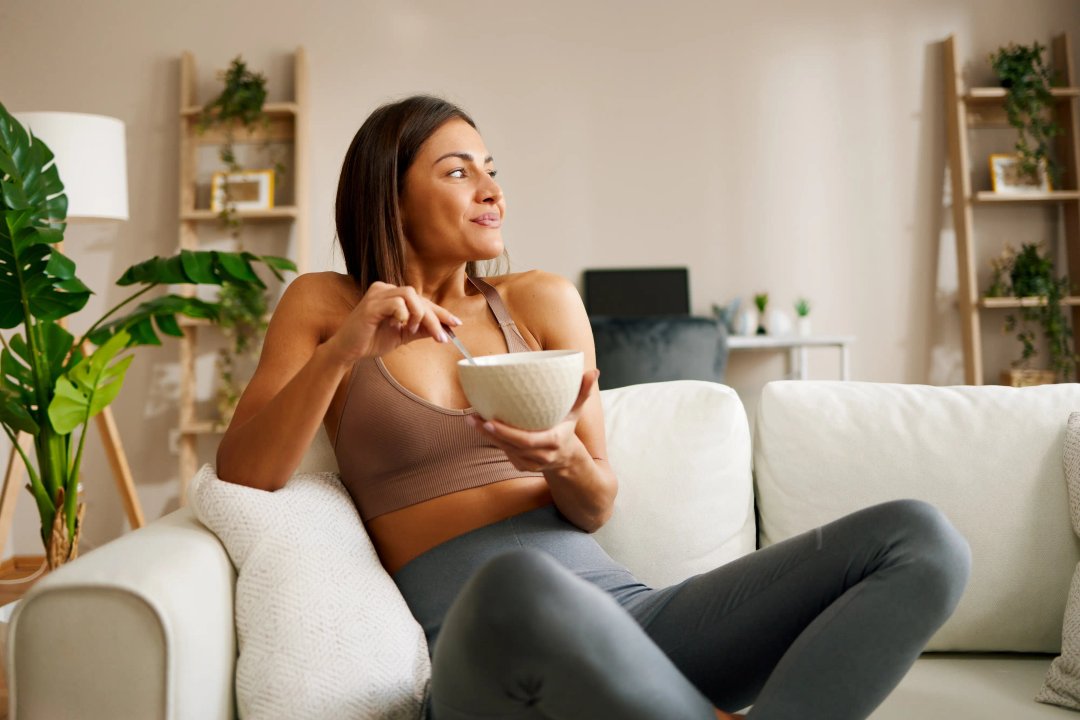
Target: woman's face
[[451, 207]]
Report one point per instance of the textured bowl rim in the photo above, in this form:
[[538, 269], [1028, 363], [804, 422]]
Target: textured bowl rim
[[518, 358]]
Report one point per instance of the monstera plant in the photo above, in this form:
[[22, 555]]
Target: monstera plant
[[51, 383]]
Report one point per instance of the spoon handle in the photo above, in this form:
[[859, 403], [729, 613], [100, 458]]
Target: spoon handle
[[457, 343]]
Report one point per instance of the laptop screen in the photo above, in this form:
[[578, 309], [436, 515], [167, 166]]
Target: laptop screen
[[638, 291]]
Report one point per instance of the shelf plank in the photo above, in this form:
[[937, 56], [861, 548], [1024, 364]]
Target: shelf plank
[[201, 427], [990, 197], [185, 321], [997, 94], [996, 303], [271, 109], [283, 212]]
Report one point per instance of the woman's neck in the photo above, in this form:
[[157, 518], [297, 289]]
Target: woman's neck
[[438, 286]]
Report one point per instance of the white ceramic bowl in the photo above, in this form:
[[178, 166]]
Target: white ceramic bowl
[[529, 390]]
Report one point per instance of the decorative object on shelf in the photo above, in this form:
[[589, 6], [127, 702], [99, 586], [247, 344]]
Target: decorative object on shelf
[[50, 383], [1027, 80], [802, 313], [761, 301], [780, 324], [1029, 274], [244, 190], [729, 315], [1006, 176], [747, 322]]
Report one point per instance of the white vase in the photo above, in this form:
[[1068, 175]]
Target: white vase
[[803, 326], [779, 323], [747, 323]]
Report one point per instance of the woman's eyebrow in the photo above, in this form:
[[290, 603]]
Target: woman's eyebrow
[[467, 157]]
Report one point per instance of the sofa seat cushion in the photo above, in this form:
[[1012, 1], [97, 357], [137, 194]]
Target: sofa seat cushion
[[989, 457], [962, 686]]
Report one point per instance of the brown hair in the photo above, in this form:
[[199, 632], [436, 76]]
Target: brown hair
[[368, 216]]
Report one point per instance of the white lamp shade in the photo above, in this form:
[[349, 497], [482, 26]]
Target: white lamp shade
[[91, 158]]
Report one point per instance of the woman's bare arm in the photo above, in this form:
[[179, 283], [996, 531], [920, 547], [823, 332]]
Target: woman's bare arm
[[302, 364], [287, 399]]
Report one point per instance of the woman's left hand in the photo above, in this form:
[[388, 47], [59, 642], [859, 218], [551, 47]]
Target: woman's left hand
[[540, 450]]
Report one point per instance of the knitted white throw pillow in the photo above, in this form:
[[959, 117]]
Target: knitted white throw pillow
[[322, 630], [1062, 685]]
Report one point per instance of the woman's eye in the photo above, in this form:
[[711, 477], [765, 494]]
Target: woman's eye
[[460, 173]]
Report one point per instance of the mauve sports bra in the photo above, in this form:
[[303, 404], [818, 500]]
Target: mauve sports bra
[[396, 449]]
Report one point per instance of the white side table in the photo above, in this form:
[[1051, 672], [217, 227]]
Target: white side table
[[796, 347]]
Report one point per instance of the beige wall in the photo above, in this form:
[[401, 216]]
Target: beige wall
[[787, 146]]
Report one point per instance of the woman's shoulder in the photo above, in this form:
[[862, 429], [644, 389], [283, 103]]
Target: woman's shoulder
[[318, 300], [540, 301], [324, 289], [534, 286]]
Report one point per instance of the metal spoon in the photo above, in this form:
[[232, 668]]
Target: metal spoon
[[457, 343]]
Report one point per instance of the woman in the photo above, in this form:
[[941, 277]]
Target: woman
[[485, 528]]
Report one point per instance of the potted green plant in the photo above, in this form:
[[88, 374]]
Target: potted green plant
[[802, 314], [761, 300], [1027, 80], [243, 308], [1029, 274], [51, 383]]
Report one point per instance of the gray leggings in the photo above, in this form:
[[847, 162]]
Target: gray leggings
[[530, 618]]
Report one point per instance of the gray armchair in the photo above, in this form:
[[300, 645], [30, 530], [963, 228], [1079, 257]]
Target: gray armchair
[[634, 350]]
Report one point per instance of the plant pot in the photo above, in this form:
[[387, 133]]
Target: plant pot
[[1027, 378], [802, 326]]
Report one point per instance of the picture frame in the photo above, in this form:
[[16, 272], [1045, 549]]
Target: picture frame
[[1005, 177], [248, 190]]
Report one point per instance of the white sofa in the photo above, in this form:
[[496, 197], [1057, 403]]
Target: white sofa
[[143, 626]]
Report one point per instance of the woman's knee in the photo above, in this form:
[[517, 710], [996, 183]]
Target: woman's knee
[[513, 592], [933, 543]]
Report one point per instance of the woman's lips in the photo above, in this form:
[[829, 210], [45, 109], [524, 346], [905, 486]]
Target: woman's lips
[[489, 221]]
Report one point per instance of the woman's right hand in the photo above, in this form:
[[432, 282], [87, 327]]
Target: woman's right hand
[[387, 317]]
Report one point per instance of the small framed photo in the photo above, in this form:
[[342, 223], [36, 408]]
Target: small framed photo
[[1006, 178], [247, 190]]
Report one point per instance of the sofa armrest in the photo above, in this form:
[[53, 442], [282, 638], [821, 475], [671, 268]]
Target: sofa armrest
[[141, 627]]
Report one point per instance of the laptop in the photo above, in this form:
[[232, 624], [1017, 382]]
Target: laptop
[[635, 292]]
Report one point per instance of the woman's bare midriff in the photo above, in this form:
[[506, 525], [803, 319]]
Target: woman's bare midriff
[[404, 534]]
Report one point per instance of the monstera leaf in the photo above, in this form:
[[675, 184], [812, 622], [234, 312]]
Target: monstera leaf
[[88, 387], [33, 273], [208, 267], [148, 318]]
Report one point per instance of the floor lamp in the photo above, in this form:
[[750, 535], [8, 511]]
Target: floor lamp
[[90, 154]]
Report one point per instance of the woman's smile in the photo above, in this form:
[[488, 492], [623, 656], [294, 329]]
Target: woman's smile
[[489, 220]]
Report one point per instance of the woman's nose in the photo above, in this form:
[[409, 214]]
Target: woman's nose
[[490, 191]]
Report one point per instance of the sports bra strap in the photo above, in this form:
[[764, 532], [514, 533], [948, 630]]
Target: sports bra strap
[[514, 341]]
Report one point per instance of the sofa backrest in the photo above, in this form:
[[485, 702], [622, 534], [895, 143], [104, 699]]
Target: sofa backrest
[[989, 457], [681, 451]]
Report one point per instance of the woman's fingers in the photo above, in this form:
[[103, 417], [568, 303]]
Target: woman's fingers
[[588, 380], [416, 316]]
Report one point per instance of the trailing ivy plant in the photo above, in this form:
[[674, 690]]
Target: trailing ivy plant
[[1030, 273], [1027, 79], [243, 307], [51, 383], [242, 314]]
